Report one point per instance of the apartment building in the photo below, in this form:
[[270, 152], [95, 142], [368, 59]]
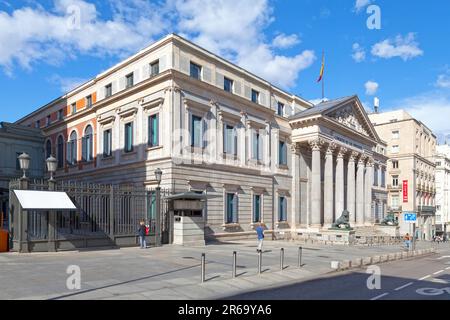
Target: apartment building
[[442, 161], [411, 169], [261, 154]]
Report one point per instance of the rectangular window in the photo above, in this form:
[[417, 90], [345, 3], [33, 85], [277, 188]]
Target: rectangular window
[[282, 151], [107, 143], [255, 96], [395, 134], [228, 85], [74, 108], [282, 209], [395, 181], [89, 101], [129, 137], [394, 164], [394, 201], [230, 140], [257, 146], [108, 90], [395, 149], [231, 208], [153, 130], [154, 68], [130, 80], [256, 208], [60, 114], [195, 71], [38, 124], [375, 176], [49, 120], [280, 110], [196, 131], [383, 178]]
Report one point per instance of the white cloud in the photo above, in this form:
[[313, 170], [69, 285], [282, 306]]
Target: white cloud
[[361, 4], [66, 84], [371, 87], [403, 47], [234, 30], [359, 53], [432, 108], [283, 41], [443, 81], [221, 27]]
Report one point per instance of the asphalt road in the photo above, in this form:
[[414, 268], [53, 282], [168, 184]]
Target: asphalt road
[[426, 278]]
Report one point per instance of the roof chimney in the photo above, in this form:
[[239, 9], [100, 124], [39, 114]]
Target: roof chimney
[[376, 104]]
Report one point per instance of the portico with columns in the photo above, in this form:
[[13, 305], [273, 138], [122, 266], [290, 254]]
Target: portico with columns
[[334, 146]]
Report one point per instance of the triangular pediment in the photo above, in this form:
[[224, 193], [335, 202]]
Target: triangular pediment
[[352, 115]]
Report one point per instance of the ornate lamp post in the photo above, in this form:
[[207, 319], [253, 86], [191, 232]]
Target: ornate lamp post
[[24, 163], [52, 164], [158, 176]]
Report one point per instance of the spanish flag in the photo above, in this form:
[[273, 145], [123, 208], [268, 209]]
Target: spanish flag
[[322, 68]]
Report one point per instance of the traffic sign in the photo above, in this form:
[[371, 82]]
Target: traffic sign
[[409, 217]]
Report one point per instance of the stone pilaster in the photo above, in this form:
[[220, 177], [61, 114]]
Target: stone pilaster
[[296, 195]]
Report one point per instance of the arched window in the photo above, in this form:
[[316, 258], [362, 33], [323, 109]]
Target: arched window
[[87, 144], [72, 148], [60, 152], [48, 149]]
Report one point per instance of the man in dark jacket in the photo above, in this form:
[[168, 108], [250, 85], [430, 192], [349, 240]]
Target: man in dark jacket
[[142, 234]]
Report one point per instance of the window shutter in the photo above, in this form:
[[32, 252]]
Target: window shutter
[[247, 92], [184, 64], [122, 83], [262, 98], [145, 71], [237, 87], [260, 147], [207, 74], [219, 80], [162, 63], [114, 88]]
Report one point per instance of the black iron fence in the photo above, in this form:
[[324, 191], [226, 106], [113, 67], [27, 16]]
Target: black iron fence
[[104, 212]]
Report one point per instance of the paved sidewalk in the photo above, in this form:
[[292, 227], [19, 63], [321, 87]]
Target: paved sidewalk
[[169, 272]]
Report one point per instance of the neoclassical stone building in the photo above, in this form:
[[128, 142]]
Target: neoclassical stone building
[[259, 153]]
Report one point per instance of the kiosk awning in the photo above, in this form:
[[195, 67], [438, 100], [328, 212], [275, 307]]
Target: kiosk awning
[[44, 200]]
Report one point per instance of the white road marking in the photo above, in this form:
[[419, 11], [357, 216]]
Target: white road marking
[[437, 272], [443, 257], [404, 286], [380, 296], [423, 278]]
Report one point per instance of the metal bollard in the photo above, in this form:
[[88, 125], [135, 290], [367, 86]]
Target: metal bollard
[[300, 249], [282, 259], [234, 265], [203, 267], [259, 261]]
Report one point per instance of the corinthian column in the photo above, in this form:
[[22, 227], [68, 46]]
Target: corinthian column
[[339, 186], [328, 186], [351, 187], [316, 192], [296, 196], [360, 192], [368, 219]]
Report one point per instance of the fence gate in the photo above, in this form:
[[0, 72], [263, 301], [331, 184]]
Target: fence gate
[[107, 215]]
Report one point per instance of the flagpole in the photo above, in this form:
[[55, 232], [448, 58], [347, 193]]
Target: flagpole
[[323, 78]]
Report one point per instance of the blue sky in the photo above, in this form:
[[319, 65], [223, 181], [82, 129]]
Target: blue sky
[[47, 48]]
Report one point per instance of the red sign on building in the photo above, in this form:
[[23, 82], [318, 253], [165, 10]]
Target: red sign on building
[[405, 190]]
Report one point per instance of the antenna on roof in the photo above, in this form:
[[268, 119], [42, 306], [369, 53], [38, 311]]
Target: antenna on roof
[[376, 104]]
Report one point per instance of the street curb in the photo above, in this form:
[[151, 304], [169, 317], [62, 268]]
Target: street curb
[[365, 261]]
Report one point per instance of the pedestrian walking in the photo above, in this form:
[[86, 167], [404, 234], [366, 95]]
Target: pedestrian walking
[[260, 233], [142, 233], [407, 240]]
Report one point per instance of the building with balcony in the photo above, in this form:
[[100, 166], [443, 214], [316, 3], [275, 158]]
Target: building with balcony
[[442, 161], [259, 153], [411, 169]]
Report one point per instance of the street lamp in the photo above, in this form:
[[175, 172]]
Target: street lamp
[[24, 163], [52, 164], [158, 231], [158, 175]]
